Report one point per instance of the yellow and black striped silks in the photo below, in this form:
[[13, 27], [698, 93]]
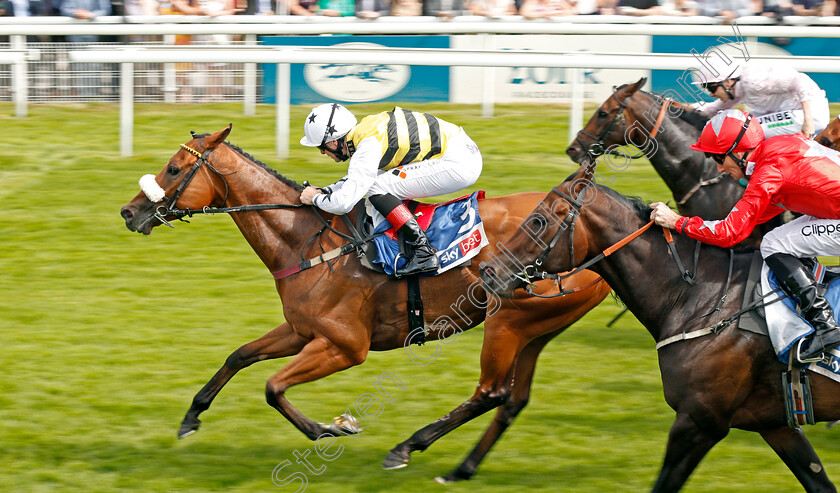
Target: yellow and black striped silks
[[405, 136]]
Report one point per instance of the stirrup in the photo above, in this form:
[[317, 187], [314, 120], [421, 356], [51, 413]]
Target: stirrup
[[798, 352], [394, 266]]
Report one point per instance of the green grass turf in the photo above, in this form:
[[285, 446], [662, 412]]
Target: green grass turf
[[106, 335]]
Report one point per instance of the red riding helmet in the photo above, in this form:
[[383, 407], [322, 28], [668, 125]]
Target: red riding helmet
[[722, 132]]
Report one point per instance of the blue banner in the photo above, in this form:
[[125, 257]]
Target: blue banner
[[665, 80], [356, 83]]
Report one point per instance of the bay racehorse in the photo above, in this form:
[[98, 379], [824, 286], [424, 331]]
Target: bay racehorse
[[662, 130], [336, 314], [721, 379]]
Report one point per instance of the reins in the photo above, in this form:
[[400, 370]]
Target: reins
[[169, 209], [687, 275]]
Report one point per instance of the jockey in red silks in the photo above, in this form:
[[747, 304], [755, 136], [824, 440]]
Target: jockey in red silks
[[786, 172]]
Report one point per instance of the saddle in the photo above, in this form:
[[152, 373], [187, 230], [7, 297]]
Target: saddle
[[795, 381]]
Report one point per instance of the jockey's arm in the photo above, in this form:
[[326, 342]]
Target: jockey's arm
[[361, 174], [740, 221]]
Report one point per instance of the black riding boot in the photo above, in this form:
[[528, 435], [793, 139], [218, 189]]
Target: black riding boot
[[798, 283], [420, 256]]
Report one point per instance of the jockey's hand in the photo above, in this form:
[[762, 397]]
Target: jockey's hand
[[808, 128], [308, 194], [663, 216]]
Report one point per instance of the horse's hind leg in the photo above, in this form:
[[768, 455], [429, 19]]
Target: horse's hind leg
[[498, 356], [280, 342], [505, 414], [796, 451], [318, 359]]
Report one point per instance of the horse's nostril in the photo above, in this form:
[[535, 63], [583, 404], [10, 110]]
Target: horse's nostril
[[571, 151], [126, 214]]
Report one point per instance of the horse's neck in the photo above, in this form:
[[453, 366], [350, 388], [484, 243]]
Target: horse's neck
[[679, 166], [275, 235], [632, 272], [683, 169]]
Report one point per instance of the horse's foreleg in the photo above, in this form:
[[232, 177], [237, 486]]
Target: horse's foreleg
[[318, 359], [280, 342], [498, 357], [796, 451], [688, 443], [507, 412]]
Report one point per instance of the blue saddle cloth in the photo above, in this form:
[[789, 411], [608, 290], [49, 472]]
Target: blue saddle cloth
[[456, 232]]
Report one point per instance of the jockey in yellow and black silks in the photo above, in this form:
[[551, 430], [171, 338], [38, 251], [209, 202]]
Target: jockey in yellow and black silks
[[394, 156]]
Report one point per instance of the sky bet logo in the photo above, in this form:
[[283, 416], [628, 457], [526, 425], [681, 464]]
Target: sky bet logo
[[819, 230]]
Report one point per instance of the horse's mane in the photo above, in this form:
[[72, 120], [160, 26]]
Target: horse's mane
[[272, 171], [642, 210], [259, 163], [687, 115]]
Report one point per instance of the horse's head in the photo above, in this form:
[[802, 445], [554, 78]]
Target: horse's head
[[830, 136], [553, 238], [607, 126], [188, 181]]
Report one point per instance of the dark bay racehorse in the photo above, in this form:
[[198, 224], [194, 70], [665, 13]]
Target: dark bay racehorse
[[662, 130], [718, 381], [334, 318]]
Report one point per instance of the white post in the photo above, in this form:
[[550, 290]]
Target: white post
[[170, 82], [281, 99], [126, 109], [20, 87], [249, 81], [576, 111], [489, 83]]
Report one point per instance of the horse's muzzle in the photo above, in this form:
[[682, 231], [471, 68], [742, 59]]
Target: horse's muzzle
[[574, 152], [494, 284], [133, 222]]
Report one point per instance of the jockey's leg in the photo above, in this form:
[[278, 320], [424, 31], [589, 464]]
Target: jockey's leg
[[781, 248], [421, 257], [458, 168]]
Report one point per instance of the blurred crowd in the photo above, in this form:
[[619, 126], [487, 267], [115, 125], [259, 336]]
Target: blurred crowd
[[371, 9]]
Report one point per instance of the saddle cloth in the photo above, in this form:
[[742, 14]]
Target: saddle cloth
[[454, 229], [786, 326]]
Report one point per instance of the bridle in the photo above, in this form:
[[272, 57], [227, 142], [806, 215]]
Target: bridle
[[535, 271], [598, 147], [169, 209]]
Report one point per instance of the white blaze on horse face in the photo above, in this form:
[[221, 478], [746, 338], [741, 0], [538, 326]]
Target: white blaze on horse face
[[150, 187]]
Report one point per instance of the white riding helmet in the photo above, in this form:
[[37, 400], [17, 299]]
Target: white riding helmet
[[716, 68], [326, 123]]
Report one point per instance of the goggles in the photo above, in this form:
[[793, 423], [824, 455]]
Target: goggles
[[711, 86], [718, 158]]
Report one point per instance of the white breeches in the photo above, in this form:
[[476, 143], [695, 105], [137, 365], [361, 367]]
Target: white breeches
[[785, 122], [805, 236], [458, 168]]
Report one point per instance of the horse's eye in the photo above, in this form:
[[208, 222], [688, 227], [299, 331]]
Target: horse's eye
[[539, 222], [173, 170], [602, 114]]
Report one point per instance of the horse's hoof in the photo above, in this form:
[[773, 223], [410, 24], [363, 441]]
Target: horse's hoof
[[453, 477], [395, 460], [188, 427], [346, 424]]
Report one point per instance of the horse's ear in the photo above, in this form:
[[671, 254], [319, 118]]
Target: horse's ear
[[638, 85], [217, 138]]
